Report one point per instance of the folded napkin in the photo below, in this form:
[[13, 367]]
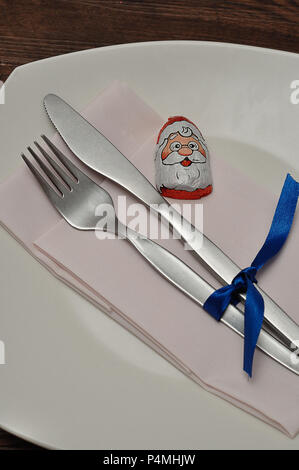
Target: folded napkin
[[113, 275]]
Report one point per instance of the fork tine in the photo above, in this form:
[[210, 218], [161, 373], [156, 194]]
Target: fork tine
[[63, 175], [73, 169], [58, 185], [52, 195]]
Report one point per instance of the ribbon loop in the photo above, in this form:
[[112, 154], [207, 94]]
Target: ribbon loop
[[244, 282]]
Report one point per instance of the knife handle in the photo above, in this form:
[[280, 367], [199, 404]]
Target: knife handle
[[276, 321]]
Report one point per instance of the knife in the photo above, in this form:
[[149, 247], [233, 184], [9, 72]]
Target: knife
[[98, 153]]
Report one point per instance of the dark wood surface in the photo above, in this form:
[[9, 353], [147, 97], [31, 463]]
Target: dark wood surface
[[33, 30]]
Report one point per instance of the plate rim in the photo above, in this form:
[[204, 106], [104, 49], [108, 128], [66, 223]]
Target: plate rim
[[128, 45]]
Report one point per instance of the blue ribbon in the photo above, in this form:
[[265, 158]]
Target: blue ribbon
[[245, 281]]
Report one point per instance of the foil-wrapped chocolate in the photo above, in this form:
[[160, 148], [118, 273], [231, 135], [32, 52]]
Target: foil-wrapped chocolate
[[182, 161]]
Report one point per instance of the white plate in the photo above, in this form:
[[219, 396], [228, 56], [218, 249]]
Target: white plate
[[73, 378]]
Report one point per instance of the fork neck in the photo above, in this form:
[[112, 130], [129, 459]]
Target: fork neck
[[120, 229]]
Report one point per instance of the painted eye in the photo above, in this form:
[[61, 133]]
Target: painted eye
[[193, 145], [175, 146]]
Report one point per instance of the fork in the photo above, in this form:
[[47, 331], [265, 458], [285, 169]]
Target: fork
[[76, 197]]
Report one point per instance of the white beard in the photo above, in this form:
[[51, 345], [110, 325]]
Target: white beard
[[186, 178]]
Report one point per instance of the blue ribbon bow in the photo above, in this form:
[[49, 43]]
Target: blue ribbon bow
[[245, 281]]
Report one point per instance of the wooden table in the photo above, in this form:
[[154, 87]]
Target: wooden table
[[33, 30]]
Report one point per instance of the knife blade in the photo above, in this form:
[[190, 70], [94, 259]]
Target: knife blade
[[98, 153]]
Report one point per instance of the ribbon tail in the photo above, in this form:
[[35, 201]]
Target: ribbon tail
[[218, 302], [281, 223], [254, 316], [244, 282]]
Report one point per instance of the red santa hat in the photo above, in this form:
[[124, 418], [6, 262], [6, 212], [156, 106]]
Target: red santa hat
[[172, 120]]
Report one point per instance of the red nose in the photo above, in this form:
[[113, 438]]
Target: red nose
[[185, 151]]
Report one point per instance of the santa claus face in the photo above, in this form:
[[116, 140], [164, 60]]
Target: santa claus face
[[182, 161], [183, 151]]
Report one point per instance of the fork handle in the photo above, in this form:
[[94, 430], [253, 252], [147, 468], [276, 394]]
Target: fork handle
[[171, 267], [191, 284]]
